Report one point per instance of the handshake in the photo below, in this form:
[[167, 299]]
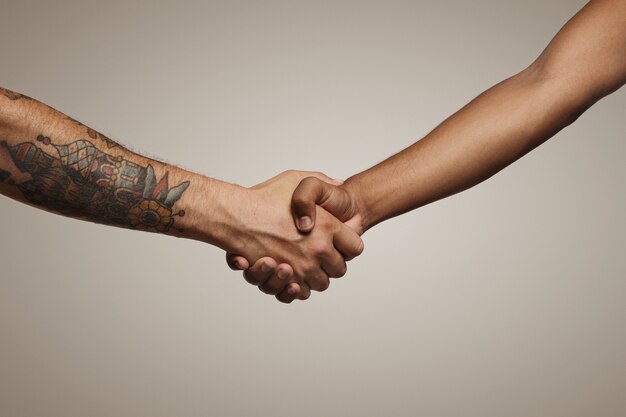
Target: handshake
[[297, 230], [293, 233]]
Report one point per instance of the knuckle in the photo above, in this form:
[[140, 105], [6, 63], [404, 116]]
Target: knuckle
[[251, 278], [309, 182], [319, 248], [284, 299], [290, 174], [318, 282], [324, 284], [360, 247], [266, 289], [309, 268], [299, 201], [273, 286]]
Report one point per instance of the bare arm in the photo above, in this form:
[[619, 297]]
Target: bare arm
[[53, 162], [583, 63]]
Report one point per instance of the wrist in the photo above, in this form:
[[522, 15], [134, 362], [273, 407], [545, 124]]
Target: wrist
[[360, 220], [214, 213]]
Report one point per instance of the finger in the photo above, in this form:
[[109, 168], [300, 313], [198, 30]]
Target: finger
[[311, 192], [318, 280], [278, 281], [306, 195], [236, 262], [335, 267], [348, 242], [305, 292], [261, 271], [289, 294]]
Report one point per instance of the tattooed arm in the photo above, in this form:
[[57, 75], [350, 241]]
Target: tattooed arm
[[584, 62], [53, 162]]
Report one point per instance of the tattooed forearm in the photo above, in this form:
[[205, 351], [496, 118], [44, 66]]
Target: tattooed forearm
[[80, 180], [95, 135], [12, 95]]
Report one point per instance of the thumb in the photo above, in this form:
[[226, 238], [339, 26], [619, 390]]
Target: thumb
[[311, 192]]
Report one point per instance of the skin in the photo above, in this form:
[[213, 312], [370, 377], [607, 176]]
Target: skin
[[585, 62], [55, 163]]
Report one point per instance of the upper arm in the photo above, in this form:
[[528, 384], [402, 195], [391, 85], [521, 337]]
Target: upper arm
[[588, 55]]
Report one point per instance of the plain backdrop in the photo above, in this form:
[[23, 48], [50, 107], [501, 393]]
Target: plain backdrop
[[506, 300]]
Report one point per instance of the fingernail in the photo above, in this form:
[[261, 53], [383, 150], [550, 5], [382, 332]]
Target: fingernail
[[265, 268], [305, 222], [238, 265], [291, 291], [282, 274]]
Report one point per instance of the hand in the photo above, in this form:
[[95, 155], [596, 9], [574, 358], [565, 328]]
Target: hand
[[317, 189], [338, 199], [306, 261]]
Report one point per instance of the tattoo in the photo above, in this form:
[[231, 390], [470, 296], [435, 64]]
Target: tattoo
[[4, 175], [80, 180], [96, 135], [12, 95]]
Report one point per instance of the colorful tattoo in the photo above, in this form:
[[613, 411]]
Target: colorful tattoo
[[95, 135], [83, 181], [11, 95]]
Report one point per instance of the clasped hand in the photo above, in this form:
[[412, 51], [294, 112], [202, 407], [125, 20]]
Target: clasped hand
[[301, 229]]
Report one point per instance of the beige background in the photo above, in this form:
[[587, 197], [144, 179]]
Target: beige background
[[507, 300]]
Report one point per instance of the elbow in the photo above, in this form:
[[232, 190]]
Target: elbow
[[564, 96], [574, 89]]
